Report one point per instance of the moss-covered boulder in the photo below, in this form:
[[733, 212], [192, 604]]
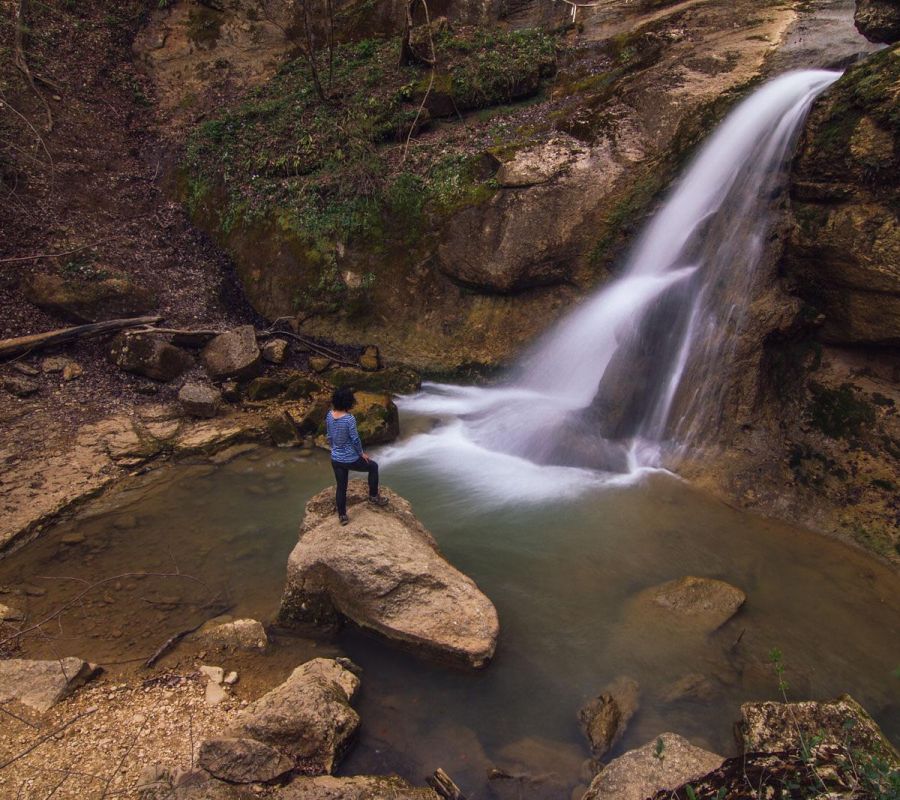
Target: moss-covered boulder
[[845, 249]]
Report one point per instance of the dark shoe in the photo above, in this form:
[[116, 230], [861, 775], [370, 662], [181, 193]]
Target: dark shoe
[[378, 500], [345, 520]]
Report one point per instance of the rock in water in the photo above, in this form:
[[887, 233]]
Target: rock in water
[[233, 354], [703, 603], [239, 634], [664, 763], [305, 724], [385, 573], [41, 684], [605, 717]]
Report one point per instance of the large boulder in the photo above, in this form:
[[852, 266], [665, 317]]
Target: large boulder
[[397, 380], [878, 20], [385, 573], [523, 239], [377, 418], [306, 725], [703, 604], [109, 295], [149, 355], [664, 763], [776, 727], [844, 249], [41, 684], [233, 354]]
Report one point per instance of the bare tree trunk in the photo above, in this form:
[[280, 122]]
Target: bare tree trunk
[[25, 344], [22, 63], [310, 51]]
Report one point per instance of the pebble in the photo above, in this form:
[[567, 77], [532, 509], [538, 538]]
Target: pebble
[[73, 538], [215, 694], [231, 679], [215, 674]]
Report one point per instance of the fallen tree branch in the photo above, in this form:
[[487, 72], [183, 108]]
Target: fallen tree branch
[[26, 344], [169, 643], [39, 256]]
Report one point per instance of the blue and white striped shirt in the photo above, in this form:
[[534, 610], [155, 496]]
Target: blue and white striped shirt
[[343, 438]]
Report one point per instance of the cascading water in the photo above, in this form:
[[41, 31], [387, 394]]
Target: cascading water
[[641, 363]]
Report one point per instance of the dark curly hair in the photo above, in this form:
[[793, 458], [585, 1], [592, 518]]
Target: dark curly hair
[[343, 399]]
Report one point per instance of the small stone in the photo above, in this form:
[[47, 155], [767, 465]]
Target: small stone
[[215, 694], [606, 716], [199, 400], [72, 538], [275, 351], [20, 386], [215, 674], [231, 392], [25, 369], [240, 634], [53, 364], [319, 363], [231, 679], [370, 359], [72, 371]]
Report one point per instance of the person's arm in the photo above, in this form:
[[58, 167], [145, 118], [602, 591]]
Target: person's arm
[[354, 436], [329, 422]]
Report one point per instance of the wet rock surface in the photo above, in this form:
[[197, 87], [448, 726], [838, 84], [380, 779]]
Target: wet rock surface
[[605, 717], [239, 634], [385, 573], [664, 763]]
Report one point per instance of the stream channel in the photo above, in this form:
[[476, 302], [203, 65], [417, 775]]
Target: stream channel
[[562, 574]]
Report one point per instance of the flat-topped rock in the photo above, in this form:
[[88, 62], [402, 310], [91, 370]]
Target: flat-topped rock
[[41, 684], [233, 354], [384, 572]]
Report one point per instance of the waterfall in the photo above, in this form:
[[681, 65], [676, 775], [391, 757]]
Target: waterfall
[[639, 366]]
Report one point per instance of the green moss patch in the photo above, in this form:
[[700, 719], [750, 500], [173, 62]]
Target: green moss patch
[[322, 174], [839, 413]]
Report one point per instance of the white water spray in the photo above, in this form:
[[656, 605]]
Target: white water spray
[[597, 396]]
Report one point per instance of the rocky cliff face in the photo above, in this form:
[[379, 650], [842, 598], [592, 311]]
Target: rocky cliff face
[[844, 252], [514, 195], [822, 445]]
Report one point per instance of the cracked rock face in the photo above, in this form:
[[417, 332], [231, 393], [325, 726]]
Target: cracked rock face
[[384, 572]]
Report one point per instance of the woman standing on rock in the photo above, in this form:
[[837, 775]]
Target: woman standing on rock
[[347, 451]]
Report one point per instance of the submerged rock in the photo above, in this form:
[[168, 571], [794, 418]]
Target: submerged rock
[[385, 573], [41, 684], [305, 724], [233, 354], [701, 603], [664, 763], [605, 717]]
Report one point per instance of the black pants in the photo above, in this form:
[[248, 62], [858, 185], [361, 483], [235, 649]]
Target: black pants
[[342, 475]]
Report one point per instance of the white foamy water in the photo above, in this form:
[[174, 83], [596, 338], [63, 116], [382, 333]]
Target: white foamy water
[[594, 400]]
